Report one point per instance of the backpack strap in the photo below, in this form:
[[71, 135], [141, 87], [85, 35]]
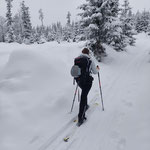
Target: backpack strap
[[88, 68]]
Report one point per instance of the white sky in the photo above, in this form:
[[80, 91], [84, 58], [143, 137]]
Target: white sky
[[56, 10]]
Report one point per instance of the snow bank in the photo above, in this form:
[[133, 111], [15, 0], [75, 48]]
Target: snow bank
[[35, 92], [27, 69]]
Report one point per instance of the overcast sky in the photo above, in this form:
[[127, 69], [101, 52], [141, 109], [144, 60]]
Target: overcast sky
[[56, 10]]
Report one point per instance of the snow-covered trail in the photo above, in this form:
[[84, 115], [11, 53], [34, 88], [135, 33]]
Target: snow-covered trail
[[126, 119], [125, 123], [36, 93]]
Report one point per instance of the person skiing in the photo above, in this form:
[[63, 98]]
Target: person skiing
[[84, 81]]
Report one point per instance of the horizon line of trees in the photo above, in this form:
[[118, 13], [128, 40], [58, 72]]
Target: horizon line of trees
[[102, 22], [18, 28]]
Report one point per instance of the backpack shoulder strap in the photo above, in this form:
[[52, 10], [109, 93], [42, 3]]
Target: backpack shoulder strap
[[88, 61], [88, 65]]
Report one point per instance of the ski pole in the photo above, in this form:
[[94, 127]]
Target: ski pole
[[78, 95], [74, 81], [74, 97], [100, 91]]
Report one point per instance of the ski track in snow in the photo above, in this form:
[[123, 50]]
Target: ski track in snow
[[57, 138], [127, 77], [110, 137]]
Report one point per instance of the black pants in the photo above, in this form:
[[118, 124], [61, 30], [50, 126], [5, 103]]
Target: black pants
[[83, 102]]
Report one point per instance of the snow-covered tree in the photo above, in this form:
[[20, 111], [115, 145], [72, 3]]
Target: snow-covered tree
[[41, 34], [142, 21], [97, 18], [115, 35], [26, 24], [145, 21], [68, 18], [2, 29], [127, 23], [36, 33], [41, 16], [9, 14], [17, 26], [117, 39], [67, 31], [9, 35], [138, 22], [76, 31], [59, 32]]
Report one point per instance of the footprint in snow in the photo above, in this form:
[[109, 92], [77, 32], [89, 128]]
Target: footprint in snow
[[121, 144], [128, 104]]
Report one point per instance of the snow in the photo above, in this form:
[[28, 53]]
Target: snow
[[36, 93], [93, 26]]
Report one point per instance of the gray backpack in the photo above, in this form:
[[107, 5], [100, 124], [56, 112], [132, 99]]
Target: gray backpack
[[75, 71], [81, 67]]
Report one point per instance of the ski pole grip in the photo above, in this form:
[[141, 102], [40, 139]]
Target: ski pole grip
[[98, 67]]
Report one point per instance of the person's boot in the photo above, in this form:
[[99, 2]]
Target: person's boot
[[81, 121], [87, 107]]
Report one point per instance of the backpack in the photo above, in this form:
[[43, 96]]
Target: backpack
[[81, 67]]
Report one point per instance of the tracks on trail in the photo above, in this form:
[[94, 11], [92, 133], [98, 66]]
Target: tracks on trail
[[56, 140], [123, 78]]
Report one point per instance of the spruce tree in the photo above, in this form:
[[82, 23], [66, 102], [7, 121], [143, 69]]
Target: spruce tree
[[9, 35], [138, 22], [17, 27], [76, 31], [41, 16], [68, 18], [2, 29], [117, 39], [59, 32], [115, 35], [26, 24], [97, 18], [68, 29], [42, 36], [145, 21], [127, 23]]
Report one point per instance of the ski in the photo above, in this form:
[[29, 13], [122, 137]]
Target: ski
[[70, 134], [79, 124], [75, 128]]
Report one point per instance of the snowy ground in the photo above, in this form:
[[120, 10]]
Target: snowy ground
[[36, 93]]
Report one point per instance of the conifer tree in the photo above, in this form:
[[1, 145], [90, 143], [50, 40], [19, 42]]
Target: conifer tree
[[138, 22], [97, 18], [42, 36], [17, 26], [9, 35], [68, 29], [115, 35], [59, 32], [26, 24], [117, 39], [127, 23], [41, 16], [144, 21], [2, 29], [68, 18], [76, 31]]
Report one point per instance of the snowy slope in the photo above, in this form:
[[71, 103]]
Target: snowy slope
[[36, 93]]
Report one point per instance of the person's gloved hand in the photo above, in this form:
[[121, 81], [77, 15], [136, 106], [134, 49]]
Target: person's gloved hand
[[98, 68]]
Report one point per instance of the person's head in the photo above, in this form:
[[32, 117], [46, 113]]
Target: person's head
[[86, 51]]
